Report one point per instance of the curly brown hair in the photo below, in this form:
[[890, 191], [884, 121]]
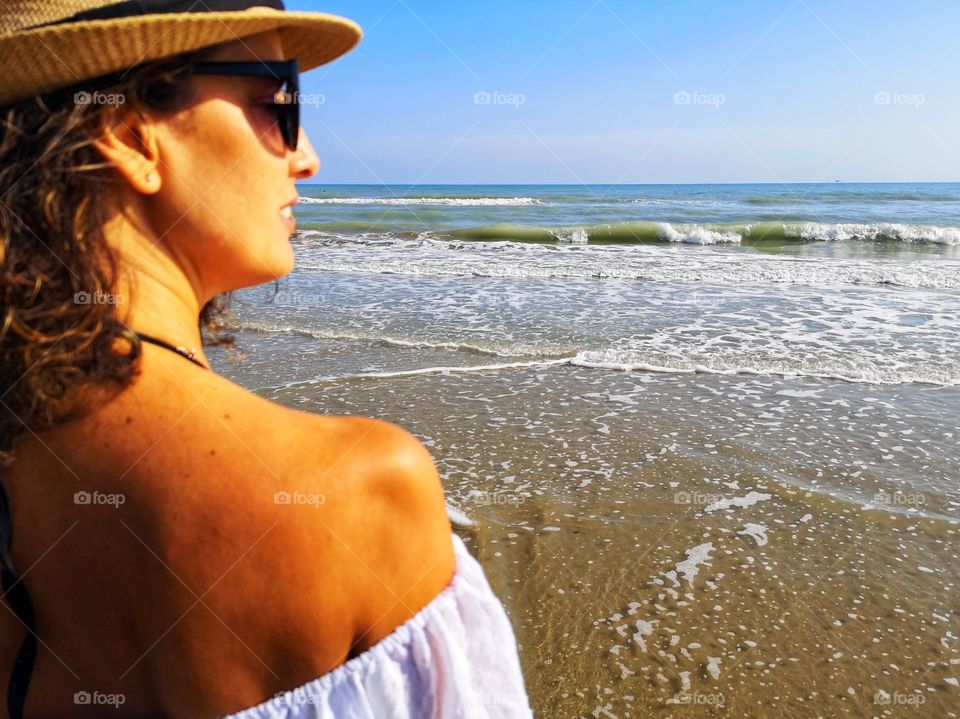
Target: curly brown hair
[[54, 191]]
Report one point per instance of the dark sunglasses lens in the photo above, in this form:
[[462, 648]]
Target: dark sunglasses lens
[[289, 124], [292, 120], [287, 120], [288, 110]]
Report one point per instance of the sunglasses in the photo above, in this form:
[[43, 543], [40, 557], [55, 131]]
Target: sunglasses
[[286, 101]]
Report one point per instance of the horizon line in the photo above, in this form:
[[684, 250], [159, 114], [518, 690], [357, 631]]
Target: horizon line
[[623, 184]]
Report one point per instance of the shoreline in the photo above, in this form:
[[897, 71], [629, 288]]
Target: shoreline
[[602, 522]]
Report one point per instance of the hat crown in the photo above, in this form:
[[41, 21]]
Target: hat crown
[[17, 15], [48, 45]]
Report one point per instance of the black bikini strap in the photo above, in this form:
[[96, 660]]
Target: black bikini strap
[[15, 592], [167, 346]]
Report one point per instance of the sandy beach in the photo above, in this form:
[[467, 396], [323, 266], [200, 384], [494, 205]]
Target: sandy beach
[[704, 480]]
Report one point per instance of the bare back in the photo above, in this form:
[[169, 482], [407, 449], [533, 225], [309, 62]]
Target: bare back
[[196, 549]]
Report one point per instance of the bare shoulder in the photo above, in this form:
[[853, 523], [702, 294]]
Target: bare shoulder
[[401, 550], [337, 523], [377, 481], [366, 494], [304, 536]]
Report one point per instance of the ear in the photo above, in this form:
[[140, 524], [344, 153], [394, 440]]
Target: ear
[[128, 141]]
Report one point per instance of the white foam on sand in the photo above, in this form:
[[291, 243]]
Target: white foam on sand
[[458, 517], [742, 502], [757, 531], [690, 567], [644, 629], [713, 667], [799, 393]]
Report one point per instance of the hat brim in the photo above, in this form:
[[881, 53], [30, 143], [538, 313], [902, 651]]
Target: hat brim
[[58, 56]]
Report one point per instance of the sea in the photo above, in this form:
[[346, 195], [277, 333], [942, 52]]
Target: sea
[[702, 438]]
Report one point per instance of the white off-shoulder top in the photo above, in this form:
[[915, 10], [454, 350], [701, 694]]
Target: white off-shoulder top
[[456, 657]]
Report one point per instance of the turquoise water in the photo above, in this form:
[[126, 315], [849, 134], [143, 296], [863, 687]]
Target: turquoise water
[[913, 215]]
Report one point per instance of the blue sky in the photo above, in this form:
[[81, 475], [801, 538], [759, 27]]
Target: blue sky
[[613, 91]]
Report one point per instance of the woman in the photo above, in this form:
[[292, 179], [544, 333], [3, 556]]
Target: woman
[[175, 545]]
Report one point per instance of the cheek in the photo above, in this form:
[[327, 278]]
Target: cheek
[[223, 185], [212, 178]]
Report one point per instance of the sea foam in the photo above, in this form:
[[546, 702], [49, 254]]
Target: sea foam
[[453, 201], [429, 255]]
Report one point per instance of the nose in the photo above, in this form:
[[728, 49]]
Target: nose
[[304, 163]]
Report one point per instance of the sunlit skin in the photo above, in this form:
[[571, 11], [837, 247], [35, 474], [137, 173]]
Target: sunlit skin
[[199, 595], [199, 213]]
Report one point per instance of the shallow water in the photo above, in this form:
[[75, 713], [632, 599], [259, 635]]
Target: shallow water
[[705, 480], [641, 529]]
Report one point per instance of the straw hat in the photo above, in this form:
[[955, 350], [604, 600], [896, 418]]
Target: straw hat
[[46, 45]]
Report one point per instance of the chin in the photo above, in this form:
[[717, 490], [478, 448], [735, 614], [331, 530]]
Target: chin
[[285, 259], [267, 265], [279, 263]]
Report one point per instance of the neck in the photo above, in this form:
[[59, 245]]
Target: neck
[[157, 292]]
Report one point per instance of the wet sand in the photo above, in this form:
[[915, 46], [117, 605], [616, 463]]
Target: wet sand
[[701, 545]]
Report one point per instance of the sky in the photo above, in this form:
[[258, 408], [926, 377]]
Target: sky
[[621, 91]]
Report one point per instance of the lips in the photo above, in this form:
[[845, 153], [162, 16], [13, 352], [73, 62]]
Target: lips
[[286, 213]]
